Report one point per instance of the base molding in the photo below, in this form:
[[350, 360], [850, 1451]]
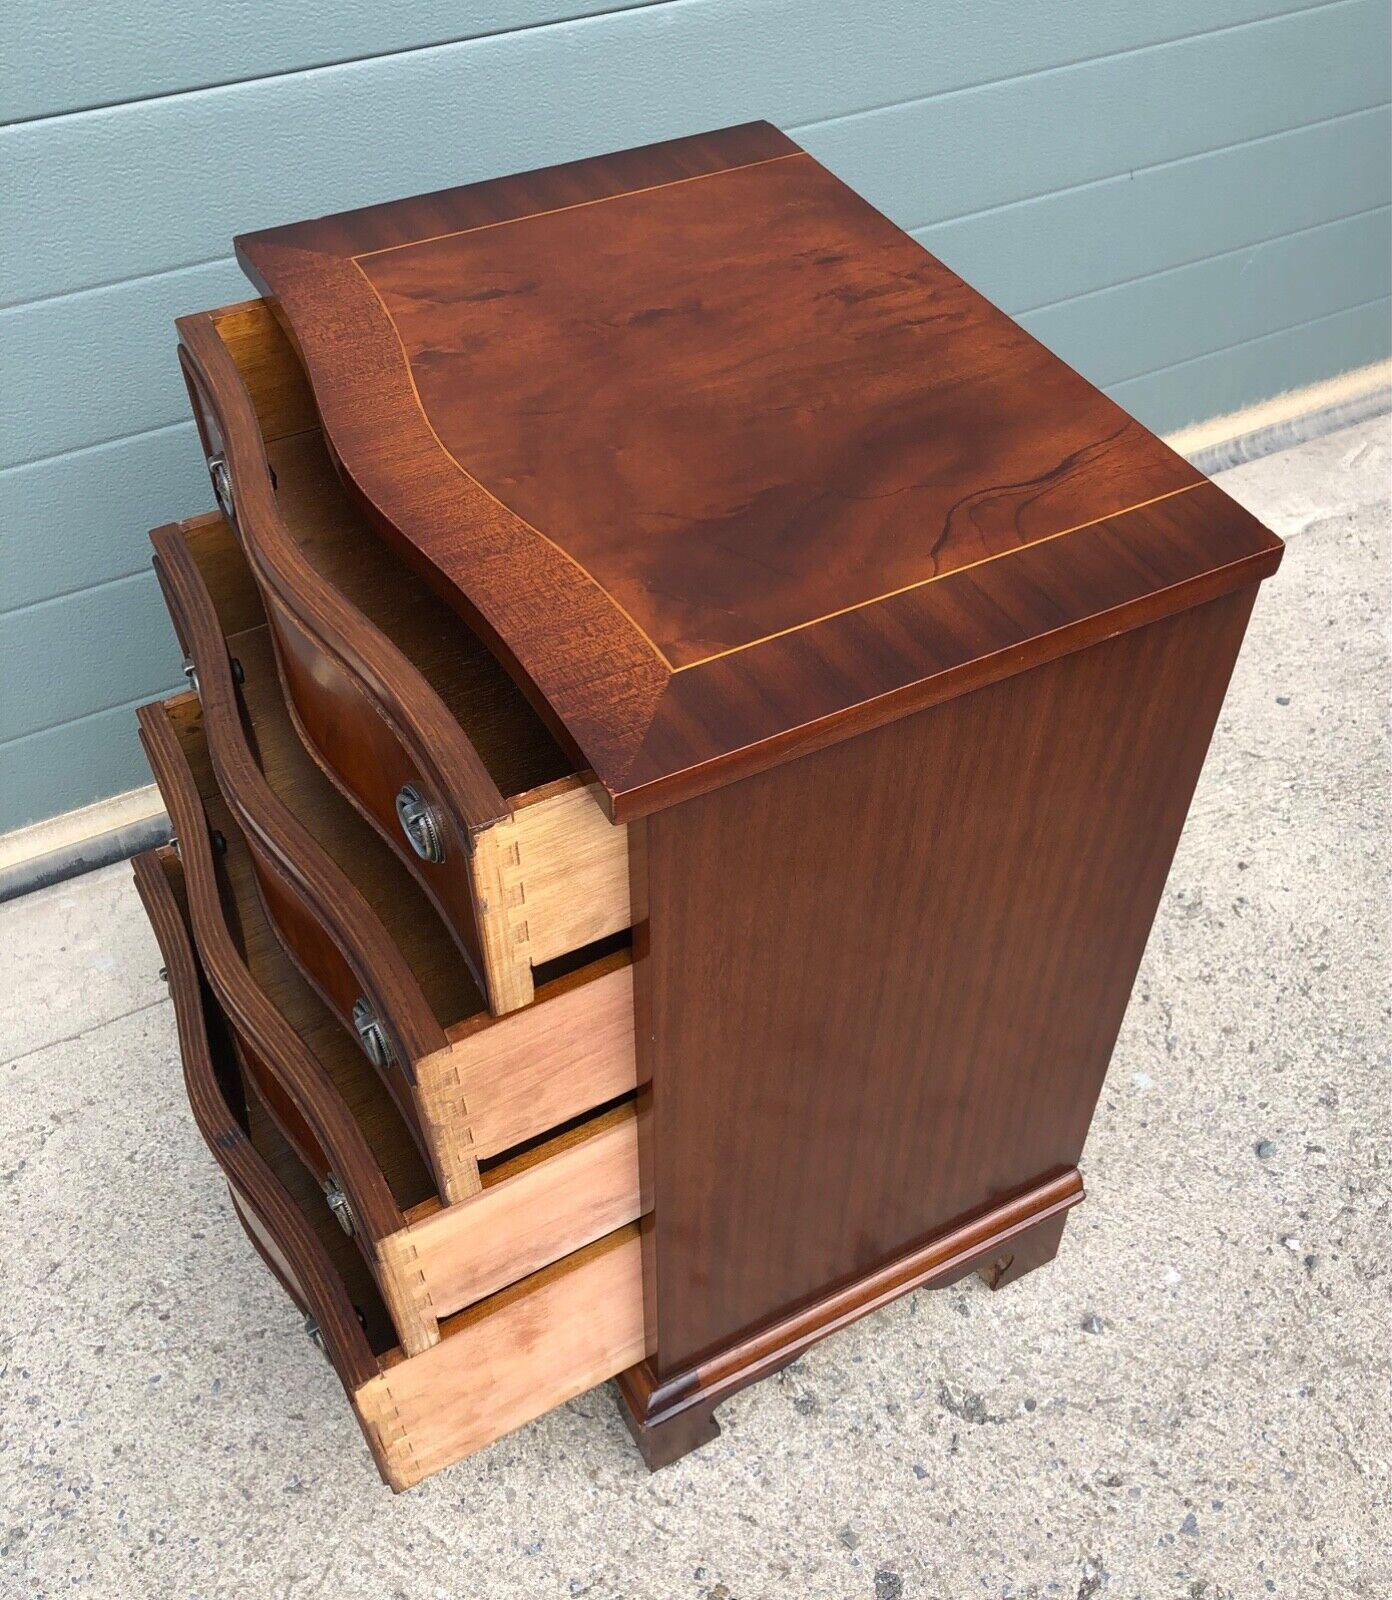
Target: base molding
[[674, 1415]]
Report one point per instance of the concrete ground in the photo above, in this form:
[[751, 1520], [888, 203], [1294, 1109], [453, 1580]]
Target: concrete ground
[[1193, 1401]]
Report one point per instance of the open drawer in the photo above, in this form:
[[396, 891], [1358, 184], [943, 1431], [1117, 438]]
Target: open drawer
[[357, 924], [550, 1189], [500, 1363], [404, 705]]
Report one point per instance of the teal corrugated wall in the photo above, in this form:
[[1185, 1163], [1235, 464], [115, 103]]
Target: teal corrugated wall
[[1189, 201]]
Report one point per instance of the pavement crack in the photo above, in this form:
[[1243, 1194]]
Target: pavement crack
[[82, 1033]]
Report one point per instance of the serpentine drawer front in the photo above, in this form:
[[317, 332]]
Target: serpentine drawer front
[[506, 1359], [428, 1255], [694, 712], [402, 704], [357, 925]]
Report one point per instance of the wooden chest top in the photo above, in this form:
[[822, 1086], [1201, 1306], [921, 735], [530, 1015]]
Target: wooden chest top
[[723, 464]]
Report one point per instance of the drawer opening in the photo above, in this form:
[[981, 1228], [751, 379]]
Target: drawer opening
[[582, 959], [402, 907], [538, 1204], [355, 847], [295, 777], [390, 1140], [516, 747], [299, 1183], [586, 1125], [275, 1150], [303, 1188], [482, 1311]]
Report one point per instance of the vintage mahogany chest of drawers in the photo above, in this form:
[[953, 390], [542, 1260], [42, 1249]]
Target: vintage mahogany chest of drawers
[[691, 710]]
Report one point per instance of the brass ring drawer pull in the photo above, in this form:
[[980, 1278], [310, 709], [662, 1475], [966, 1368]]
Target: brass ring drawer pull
[[337, 1202], [373, 1035], [420, 824], [222, 485]]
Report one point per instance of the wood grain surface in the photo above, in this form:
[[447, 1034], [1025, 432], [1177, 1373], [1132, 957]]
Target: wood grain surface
[[541, 1206], [572, 1049], [895, 1002], [509, 1359], [721, 463]]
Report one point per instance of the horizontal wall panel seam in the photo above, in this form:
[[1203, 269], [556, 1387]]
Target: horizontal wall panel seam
[[216, 196], [139, 484], [342, 61], [1198, 261], [1256, 338], [1278, 365], [87, 716], [1037, 74], [90, 289], [141, 571], [920, 227], [77, 589], [610, 17], [99, 444], [1306, 278], [1153, 166], [1215, 304]]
